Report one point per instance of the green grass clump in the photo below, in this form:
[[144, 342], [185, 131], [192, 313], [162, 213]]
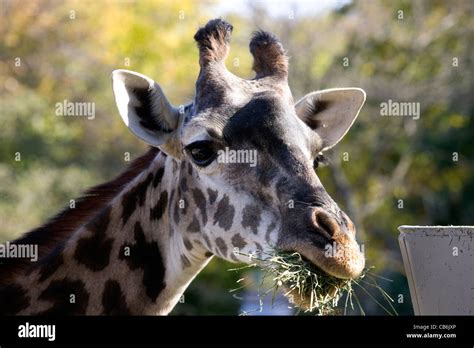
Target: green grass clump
[[311, 289], [305, 285]]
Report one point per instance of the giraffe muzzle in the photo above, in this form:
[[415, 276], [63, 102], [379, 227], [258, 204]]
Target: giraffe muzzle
[[342, 256], [328, 242]]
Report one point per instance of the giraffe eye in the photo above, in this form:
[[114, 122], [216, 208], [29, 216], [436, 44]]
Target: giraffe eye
[[201, 152]]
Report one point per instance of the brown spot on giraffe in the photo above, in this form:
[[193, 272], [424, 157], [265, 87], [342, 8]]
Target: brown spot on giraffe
[[194, 226], [94, 251], [183, 184], [51, 263], [146, 256], [158, 177], [224, 215], [113, 299], [201, 204], [135, 198], [251, 216], [212, 195], [238, 241], [182, 167], [158, 210], [13, 298], [187, 244], [270, 229], [68, 297]]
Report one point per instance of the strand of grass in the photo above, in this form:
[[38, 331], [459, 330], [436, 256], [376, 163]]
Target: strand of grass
[[241, 268], [239, 281], [237, 289], [373, 298], [274, 296], [390, 303], [266, 292], [349, 294], [386, 296], [377, 285], [249, 283], [262, 295], [379, 276], [274, 287], [274, 290], [362, 312]]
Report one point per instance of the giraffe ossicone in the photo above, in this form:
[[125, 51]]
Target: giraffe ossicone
[[133, 245]]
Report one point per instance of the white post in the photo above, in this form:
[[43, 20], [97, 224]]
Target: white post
[[439, 264]]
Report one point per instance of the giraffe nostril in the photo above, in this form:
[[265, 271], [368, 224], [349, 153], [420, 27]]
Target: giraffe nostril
[[325, 222]]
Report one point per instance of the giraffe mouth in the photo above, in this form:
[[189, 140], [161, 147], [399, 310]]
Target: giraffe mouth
[[346, 264], [342, 260]]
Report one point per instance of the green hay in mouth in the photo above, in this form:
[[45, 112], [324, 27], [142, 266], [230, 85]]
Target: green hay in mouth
[[305, 284], [312, 289]]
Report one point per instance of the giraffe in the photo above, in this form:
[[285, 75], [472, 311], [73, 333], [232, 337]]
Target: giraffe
[[134, 244]]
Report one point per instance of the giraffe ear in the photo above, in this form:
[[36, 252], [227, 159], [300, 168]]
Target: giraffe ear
[[331, 112], [144, 108]]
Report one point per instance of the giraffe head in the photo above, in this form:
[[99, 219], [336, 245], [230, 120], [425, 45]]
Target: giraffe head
[[244, 155]]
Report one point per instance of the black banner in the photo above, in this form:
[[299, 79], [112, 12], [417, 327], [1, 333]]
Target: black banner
[[417, 330]]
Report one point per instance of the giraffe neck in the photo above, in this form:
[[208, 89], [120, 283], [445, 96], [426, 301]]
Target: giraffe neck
[[129, 259]]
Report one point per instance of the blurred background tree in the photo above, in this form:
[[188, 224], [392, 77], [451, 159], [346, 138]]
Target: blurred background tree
[[386, 172]]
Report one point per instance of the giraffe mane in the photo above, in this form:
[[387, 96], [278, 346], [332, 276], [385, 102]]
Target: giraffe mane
[[60, 227]]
